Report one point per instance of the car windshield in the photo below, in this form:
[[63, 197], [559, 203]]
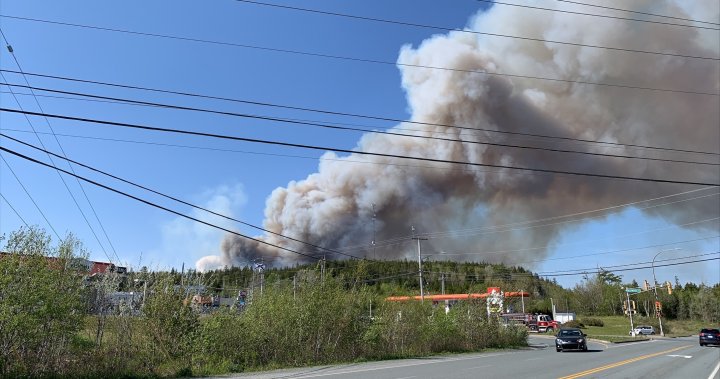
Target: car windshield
[[570, 333], [713, 331]]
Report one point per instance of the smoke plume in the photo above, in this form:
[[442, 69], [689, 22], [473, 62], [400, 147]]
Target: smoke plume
[[334, 207]]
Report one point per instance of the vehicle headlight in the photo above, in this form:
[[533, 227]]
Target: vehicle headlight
[[558, 340], [580, 340]]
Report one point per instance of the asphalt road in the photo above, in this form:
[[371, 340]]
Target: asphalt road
[[659, 358]]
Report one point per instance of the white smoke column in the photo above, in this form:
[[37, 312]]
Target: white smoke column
[[333, 207]]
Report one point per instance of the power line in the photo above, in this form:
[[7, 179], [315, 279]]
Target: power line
[[596, 239], [593, 270], [635, 268], [153, 204], [390, 242], [176, 199], [609, 268], [339, 150], [613, 207], [102, 227], [371, 117], [13, 208], [596, 15], [362, 60], [346, 128], [434, 27], [31, 199], [620, 250], [638, 12], [372, 129]]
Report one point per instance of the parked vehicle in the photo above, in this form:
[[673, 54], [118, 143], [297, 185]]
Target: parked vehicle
[[535, 322], [709, 337], [643, 330], [570, 339]]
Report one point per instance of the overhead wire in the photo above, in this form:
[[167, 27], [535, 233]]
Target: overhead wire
[[373, 128], [177, 199], [634, 268], [31, 199], [147, 202], [449, 29], [14, 210], [405, 238], [621, 250], [37, 102], [638, 12], [367, 60], [594, 270], [609, 268], [372, 117], [503, 229], [344, 128], [596, 15], [324, 148], [581, 242]]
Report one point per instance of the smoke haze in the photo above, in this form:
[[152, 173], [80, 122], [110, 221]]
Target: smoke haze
[[334, 207]]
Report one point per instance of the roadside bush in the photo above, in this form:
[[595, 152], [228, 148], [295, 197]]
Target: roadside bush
[[574, 324], [172, 327], [593, 322], [41, 305]]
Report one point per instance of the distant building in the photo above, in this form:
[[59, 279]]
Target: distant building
[[91, 267]]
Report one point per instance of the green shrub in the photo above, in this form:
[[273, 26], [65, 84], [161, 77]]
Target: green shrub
[[574, 324], [593, 322], [41, 305]]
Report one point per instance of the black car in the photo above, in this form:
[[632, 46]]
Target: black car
[[709, 337], [570, 339]]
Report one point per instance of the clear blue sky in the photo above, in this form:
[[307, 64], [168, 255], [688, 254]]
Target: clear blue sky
[[236, 178]]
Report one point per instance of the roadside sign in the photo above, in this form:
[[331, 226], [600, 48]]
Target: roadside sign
[[633, 290]]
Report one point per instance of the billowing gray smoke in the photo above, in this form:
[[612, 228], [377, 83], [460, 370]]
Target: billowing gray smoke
[[334, 207]]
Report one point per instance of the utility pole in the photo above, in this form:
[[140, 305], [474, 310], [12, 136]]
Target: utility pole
[[322, 270], [657, 311], [422, 293], [294, 286], [522, 300], [442, 283], [373, 240], [630, 312]]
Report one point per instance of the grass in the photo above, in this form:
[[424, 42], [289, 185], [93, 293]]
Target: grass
[[617, 328]]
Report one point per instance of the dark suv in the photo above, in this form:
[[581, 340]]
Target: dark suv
[[709, 337]]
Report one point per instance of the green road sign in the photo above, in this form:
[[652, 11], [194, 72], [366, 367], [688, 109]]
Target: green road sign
[[633, 290]]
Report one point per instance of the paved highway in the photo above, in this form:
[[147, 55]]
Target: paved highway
[[659, 358]]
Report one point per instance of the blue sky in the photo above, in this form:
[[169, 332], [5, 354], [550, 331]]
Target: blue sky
[[236, 178]]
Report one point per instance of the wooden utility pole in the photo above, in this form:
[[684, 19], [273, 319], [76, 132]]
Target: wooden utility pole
[[422, 293]]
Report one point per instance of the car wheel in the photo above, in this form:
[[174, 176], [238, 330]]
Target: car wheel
[[558, 350], [652, 333], [549, 330], [584, 348], [702, 344]]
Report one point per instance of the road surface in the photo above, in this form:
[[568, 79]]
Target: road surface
[[659, 358]]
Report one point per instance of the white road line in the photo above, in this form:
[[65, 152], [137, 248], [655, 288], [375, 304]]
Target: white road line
[[680, 356], [476, 367], [714, 371], [401, 365]]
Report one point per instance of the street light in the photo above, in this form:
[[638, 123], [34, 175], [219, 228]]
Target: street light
[[657, 311]]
